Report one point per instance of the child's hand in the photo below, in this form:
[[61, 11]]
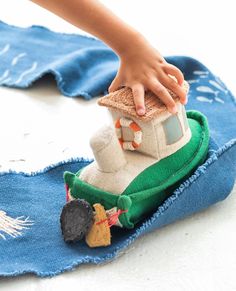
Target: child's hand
[[143, 68]]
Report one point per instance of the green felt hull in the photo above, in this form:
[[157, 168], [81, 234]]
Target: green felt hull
[[156, 183]]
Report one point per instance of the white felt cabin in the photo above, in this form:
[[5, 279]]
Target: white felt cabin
[[160, 134]]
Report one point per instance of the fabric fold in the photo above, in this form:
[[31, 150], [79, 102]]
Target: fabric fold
[[82, 66], [85, 67]]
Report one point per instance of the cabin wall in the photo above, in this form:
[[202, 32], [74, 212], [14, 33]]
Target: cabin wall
[[165, 149], [154, 140], [149, 145]]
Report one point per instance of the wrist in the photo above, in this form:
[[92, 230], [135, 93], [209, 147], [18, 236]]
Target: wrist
[[126, 41]]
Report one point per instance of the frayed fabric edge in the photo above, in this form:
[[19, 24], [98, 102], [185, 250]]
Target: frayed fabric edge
[[140, 230], [59, 83]]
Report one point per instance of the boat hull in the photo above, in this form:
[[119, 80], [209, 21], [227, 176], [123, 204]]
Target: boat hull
[[153, 185]]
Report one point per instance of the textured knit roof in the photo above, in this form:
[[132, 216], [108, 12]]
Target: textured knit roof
[[122, 101]]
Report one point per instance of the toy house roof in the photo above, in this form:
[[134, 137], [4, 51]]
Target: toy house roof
[[122, 101]]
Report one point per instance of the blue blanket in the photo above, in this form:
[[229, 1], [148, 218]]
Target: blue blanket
[[82, 66], [30, 204]]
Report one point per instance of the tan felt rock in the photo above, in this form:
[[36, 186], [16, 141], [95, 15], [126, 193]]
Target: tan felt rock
[[99, 234]]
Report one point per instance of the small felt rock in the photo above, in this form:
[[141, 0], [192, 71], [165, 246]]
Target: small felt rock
[[99, 234], [76, 220]]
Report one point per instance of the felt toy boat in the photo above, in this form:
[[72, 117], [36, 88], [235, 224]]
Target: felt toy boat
[[139, 161]]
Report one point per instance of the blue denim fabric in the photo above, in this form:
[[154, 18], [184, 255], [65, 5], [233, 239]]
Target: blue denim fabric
[[41, 249], [82, 66]]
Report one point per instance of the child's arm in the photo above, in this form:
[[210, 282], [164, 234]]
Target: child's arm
[[141, 66]]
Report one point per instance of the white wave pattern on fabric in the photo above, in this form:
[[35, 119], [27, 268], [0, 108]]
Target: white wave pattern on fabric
[[13, 226], [5, 49], [204, 99], [17, 58], [4, 75], [30, 70]]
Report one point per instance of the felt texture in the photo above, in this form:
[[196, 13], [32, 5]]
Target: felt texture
[[105, 144], [153, 185], [41, 249], [154, 141], [114, 168]]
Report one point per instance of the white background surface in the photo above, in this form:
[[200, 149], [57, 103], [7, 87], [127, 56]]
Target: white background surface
[[197, 253]]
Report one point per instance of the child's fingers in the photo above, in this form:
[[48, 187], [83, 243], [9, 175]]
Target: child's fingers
[[171, 84], [174, 71], [160, 91], [138, 95], [115, 85]]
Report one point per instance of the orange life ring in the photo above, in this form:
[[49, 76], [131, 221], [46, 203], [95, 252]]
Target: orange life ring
[[125, 122]]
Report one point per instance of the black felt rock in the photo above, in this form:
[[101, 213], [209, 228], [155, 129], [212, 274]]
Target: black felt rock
[[76, 220]]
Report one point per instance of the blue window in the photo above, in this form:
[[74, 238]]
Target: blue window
[[173, 130]]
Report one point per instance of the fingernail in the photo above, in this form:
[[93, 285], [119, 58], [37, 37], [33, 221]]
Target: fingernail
[[141, 111]]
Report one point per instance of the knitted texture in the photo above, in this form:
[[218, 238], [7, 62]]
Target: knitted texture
[[123, 101]]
